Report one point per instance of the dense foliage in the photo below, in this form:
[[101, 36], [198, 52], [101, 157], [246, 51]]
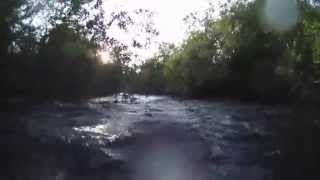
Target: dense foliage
[[242, 53], [50, 49]]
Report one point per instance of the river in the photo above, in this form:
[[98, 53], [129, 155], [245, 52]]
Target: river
[[154, 137]]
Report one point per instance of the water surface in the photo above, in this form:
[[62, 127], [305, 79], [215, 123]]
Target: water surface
[[160, 137]]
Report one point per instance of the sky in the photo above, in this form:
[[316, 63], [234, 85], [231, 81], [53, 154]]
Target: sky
[[168, 18]]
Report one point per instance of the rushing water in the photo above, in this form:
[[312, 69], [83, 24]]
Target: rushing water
[[162, 138]]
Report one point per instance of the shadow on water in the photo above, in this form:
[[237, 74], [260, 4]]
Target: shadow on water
[[298, 143]]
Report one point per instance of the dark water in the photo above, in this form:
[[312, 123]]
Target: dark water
[[152, 137]]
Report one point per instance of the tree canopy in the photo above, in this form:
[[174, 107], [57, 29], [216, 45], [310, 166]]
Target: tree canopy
[[49, 49], [245, 53]]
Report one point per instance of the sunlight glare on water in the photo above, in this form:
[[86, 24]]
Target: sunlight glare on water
[[105, 130], [100, 129]]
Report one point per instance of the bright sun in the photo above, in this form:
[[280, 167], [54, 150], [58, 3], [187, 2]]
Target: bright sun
[[104, 56]]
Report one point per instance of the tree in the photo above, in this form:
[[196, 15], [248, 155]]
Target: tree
[[50, 48]]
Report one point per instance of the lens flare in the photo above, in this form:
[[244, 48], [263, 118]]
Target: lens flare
[[104, 57], [281, 15]]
